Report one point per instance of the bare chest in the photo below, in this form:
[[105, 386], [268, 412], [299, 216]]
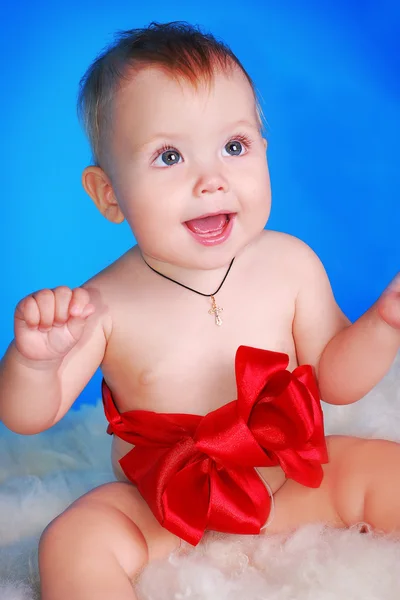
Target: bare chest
[[171, 356]]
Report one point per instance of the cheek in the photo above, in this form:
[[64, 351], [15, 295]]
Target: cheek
[[137, 195], [150, 207], [257, 192], [255, 184], [263, 181]]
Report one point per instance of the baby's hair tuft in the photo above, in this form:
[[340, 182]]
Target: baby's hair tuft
[[179, 48]]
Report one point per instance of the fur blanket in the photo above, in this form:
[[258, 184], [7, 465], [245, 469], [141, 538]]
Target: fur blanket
[[41, 475]]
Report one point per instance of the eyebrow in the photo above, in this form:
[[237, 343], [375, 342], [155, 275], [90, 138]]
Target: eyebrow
[[165, 135], [243, 122]]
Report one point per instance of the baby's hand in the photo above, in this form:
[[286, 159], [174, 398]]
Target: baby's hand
[[389, 304], [49, 323]]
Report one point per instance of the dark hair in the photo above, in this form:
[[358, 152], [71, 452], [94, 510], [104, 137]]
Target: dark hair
[[179, 48]]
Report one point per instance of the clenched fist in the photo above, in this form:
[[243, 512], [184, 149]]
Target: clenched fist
[[48, 323]]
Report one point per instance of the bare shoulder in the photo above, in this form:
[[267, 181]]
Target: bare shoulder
[[318, 318], [297, 258], [295, 268], [291, 255], [292, 248], [288, 246], [106, 287]]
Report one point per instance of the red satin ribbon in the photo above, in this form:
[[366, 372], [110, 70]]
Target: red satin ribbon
[[197, 473]]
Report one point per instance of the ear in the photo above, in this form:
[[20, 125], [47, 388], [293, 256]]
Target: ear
[[98, 185], [265, 143]]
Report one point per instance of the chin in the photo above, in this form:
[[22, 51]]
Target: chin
[[195, 256]]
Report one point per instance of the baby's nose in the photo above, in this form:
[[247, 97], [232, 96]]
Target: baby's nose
[[209, 184]]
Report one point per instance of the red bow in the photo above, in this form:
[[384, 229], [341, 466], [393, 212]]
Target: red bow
[[197, 473]]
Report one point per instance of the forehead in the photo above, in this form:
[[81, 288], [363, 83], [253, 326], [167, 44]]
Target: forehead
[[153, 100]]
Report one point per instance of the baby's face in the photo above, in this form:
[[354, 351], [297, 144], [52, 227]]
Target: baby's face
[[180, 155]]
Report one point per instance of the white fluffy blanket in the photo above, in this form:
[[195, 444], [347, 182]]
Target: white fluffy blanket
[[40, 475]]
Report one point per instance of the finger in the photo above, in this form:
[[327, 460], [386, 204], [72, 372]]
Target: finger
[[75, 326], [46, 303], [63, 295], [27, 310], [88, 310], [80, 299]]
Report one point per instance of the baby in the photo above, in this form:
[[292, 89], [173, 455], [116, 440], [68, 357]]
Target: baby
[[208, 332]]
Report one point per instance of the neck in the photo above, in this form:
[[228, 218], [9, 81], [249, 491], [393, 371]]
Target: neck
[[204, 281]]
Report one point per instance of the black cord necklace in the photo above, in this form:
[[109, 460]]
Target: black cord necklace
[[214, 310]]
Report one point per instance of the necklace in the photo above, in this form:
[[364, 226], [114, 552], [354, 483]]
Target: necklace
[[214, 310]]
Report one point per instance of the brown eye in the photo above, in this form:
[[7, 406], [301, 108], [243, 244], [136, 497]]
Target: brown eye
[[234, 148]]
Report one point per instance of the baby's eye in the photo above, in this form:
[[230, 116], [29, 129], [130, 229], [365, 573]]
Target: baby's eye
[[167, 158], [234, 148]]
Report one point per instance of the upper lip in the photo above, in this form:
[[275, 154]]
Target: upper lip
[[211, 214]]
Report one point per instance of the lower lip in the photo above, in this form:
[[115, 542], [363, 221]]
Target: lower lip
[[213, 239]]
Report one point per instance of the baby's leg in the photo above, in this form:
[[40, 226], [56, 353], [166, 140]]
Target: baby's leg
[[96, 548], [361, 484], [376, 469]]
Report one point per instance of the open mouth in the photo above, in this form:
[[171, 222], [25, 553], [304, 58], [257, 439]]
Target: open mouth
[[211, 229]]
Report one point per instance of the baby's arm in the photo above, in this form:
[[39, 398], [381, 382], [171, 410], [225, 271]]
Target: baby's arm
[[357, 358], [350, 359], [55, 352]]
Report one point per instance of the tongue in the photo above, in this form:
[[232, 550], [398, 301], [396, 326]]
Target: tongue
[[207, 224]]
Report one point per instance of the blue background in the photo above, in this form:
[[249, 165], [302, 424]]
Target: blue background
[[328, 77]]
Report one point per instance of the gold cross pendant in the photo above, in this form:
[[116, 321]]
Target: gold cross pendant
[[215, 310]]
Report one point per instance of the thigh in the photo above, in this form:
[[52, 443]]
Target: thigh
[[338, 502], [376, 472], [111, 519], [125, 498]]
